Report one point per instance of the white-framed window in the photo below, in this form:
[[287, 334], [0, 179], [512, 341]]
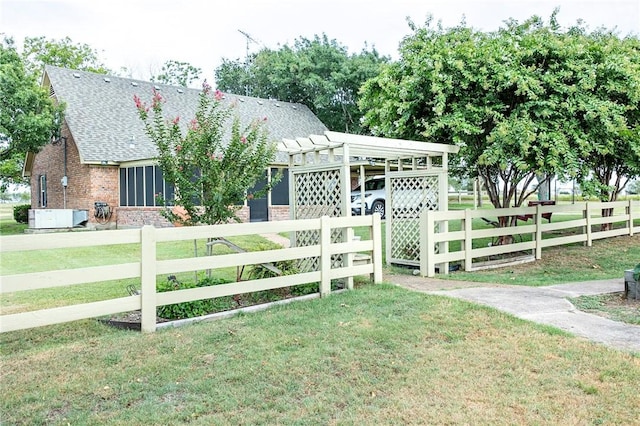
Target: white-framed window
[[42, 191]]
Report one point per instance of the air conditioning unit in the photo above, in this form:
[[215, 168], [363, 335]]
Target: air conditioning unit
[[59, 218], [80, 217]]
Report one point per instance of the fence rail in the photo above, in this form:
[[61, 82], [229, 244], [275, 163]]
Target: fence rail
[[525, 238], [149, 267]]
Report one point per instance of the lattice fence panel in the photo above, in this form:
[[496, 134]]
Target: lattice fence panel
[[410, 195], [317, 194]]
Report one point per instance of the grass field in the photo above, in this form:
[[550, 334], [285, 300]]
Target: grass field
[[377, 355], [8, 226]]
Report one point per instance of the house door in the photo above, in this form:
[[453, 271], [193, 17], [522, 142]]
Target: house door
[[259, 207]]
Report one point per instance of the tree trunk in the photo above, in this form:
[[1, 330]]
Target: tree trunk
[[544, 187], [501, 186], [607, 226]]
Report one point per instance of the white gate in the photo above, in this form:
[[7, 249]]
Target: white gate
[[409, 193]]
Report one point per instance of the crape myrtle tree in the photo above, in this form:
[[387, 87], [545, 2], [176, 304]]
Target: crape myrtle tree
[[319, 73], [211, 174], [515, 101]]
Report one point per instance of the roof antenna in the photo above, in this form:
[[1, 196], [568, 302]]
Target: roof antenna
[[246, 57]]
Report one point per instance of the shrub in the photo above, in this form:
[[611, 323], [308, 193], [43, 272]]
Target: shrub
[[194, 308], [287, 267], [21, 213]]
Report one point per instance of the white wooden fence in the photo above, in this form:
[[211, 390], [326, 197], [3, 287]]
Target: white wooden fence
[[528, 236], [148, 267]]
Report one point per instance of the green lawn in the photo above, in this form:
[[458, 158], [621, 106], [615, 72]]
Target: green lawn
[[377, 355], [8, 226]]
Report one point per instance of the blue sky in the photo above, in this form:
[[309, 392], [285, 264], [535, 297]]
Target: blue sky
[[141, 35]]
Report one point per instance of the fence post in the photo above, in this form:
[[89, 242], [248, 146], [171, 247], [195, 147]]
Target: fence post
[[376, 236], [538, 232], [443, 247], [468, 240], [148, 278], [347, 258], [325, 256], [424, 253], [588, 218], [630, 214], [427, 247]]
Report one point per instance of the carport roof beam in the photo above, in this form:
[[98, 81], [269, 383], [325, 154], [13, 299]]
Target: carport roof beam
[[366, 146]]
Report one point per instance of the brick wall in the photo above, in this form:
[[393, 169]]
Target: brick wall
[[50, 162], [136, 217], [243, 214], [279, 213], [86, 184]]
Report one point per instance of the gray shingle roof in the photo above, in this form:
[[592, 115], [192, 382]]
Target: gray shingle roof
[[103, 119]]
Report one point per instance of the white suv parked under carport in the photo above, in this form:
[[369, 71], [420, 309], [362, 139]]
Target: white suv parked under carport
[[374, 197]]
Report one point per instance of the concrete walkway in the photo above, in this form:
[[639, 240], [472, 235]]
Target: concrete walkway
[[549, 305]]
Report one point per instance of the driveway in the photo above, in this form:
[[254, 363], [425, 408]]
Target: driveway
[[544, 305]]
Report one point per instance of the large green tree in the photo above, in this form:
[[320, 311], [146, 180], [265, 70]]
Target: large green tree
[[38, 52], [515, 100], [177, 73], [28, 117], [318, 72], [27, 114], [609, 114]]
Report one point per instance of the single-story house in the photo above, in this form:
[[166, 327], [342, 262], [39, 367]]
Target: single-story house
[[103, 155]]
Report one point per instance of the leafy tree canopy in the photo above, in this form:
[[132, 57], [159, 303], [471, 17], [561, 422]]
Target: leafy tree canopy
[[38, 52], [27, 114], [517, 101], [319, 73], [178, 73], [609, 114]]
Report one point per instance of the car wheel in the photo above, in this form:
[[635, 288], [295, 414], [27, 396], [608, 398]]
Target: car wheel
[[378, 207]]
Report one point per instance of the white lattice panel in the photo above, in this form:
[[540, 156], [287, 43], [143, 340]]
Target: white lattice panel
[[317, 194], [409, 196]]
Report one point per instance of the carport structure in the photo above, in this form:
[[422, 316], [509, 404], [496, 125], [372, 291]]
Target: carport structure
[[323, 167]]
